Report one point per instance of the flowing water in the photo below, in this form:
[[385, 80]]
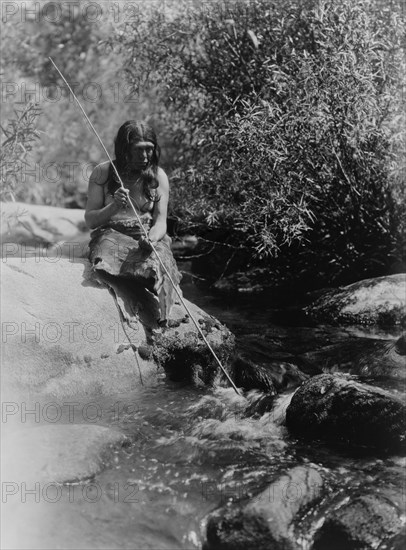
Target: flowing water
[[193, 451]]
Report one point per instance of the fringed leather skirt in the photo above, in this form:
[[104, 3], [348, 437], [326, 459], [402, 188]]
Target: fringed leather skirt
[[114, 249]]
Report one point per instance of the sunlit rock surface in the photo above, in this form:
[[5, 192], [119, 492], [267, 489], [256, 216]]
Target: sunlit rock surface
[[63, 333], [380, 300]]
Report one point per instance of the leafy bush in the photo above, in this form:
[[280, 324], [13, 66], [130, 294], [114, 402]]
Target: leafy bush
[[289, 120]]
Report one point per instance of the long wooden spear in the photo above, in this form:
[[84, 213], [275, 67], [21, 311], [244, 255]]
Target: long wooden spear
[[146, 235]]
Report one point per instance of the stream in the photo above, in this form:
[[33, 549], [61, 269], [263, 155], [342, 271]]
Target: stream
[[193, 450]]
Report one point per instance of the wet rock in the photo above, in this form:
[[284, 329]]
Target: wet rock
[[341, 411], [266, 521], [366, 522], [59, 453], [365, 357], [272, 376], [185, 356], [261, 405], [381, 300], [145, 352], [252, 376]]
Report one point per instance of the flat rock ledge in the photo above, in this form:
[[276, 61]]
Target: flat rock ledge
[[341, 411], [267, 520], [381, 300], [59, 453], [63, 335]]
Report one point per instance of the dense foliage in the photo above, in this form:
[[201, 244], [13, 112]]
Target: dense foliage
[[281, 122], [288, 120]]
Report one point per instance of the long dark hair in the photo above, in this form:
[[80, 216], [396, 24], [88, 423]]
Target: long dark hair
[[131, 132]]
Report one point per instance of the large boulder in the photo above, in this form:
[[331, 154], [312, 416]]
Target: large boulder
[[341, 411], [64, 333], [266, 521], [381, 300], [271, 376], [188, 358], [62, 231]]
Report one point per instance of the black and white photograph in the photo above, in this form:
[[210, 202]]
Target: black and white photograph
[[203, 274]]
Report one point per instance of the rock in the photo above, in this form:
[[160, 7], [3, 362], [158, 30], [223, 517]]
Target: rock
[[260, 405], [62, 333], [266, 521], [62, 230], [366, 522], [381, 300], [252, 376], [271, 376], [366, 357], [59, 453], [341, 411], [251, 281], [188, 358]]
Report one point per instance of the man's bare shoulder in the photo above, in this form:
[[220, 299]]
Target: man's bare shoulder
[[162, 177], [100, 173]]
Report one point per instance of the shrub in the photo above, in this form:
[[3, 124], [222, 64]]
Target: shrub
[[288, 116]]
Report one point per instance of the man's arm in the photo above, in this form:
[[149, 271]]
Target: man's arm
[[96, 214], [158, 229]]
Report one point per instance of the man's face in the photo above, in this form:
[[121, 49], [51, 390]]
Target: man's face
[[141, 154]]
